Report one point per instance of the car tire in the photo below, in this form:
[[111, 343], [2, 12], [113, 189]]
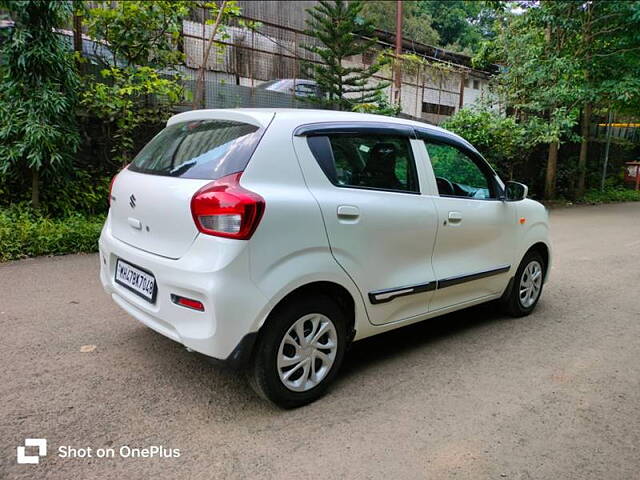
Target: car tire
[[294, 362], [525, 291]]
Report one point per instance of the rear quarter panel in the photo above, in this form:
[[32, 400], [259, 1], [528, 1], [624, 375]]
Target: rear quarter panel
[[289, 249]]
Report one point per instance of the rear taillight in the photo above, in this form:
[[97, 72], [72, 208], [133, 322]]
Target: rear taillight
[[112, 182], [111, 188], [224, 209]]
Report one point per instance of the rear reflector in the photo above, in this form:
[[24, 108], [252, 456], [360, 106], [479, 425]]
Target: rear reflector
[[187, 302], [224, 209]]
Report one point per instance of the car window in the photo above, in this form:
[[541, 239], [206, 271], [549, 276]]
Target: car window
[[457, 175], [306, 90], [374, 161], [277, 85], [206, 149]]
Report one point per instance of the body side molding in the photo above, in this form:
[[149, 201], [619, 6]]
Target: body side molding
[[388, 294], [469, 277]]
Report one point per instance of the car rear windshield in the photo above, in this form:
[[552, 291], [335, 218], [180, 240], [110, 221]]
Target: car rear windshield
[[204, 149]]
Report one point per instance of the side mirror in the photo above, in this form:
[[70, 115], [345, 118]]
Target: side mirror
[[515, 191]]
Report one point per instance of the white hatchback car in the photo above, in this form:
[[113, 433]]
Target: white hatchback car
[[271, 239]]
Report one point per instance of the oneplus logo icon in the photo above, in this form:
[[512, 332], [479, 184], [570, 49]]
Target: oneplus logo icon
[[41, 443]]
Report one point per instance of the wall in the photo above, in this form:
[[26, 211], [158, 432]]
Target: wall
[[275, 50]]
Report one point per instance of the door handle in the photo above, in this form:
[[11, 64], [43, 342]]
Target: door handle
[[455, 217], [348, 211]]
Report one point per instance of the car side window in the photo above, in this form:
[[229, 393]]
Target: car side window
[[457, 175], [306, 90], [374, 161]]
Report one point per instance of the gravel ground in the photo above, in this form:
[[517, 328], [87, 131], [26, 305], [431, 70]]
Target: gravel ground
[[472, 395]]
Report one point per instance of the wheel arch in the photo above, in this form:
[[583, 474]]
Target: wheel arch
[[545, 252], [333, 290], [244, 351]]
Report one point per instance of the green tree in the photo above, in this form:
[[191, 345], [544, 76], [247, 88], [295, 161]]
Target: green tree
[[606, 41], [501, 139], [138, 32], [461, 25], [139, 84], [416, 22], [342, 32], [538, 82], [562, 61], [38, 85]]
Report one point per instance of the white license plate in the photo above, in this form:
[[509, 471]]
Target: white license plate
[[139, 281]]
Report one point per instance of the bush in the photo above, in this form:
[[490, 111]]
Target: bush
[[80, 192], [499, 138], [25, 232], [63, 193], [611, 194]]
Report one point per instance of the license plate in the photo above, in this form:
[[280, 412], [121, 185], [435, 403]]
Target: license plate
[[139, 281]]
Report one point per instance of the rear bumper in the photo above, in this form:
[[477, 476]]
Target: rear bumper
[[214, 271]]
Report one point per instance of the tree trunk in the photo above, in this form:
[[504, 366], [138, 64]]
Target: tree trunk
[[198, 97], [35, 188], [77, 40], [584, 150], [552, 156], [588, 107], [606, 150], [77, 33], [552, 162], [397, 78]]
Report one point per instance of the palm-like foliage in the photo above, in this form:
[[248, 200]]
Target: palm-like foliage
[[343, 33], [38, 85]]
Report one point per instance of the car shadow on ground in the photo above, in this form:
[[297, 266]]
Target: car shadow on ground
[[203, 378], [366, 353]]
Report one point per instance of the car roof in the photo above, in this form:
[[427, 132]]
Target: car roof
[[262, 116]]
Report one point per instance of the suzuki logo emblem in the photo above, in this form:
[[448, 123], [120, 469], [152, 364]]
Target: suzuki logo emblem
[[132, 201]]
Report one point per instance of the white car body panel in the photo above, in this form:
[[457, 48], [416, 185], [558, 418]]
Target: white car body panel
[[211, 266], [300, 240], [481, 241], [368, 246], [534, 230], [290, 248], [161, 220]]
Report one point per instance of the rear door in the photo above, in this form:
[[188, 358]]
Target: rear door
[[475, 244], [381, 229], [151, 199]]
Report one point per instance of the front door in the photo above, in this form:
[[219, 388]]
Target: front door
[[475, 245], [381, 229]]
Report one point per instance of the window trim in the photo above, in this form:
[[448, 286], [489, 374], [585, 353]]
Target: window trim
[[445, 138], [373, 128], [323, 152]]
